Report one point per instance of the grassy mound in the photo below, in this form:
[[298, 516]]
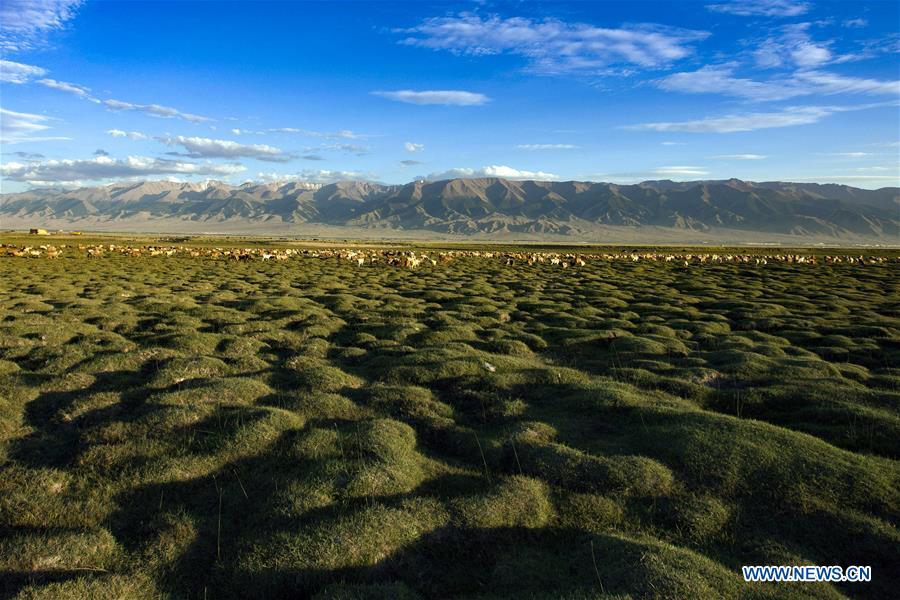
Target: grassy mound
[[187, 428]]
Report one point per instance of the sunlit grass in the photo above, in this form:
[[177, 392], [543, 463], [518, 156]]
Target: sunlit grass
[[188, 427]]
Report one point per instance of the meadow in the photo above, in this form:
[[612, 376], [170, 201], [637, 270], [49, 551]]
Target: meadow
[[177, 427]]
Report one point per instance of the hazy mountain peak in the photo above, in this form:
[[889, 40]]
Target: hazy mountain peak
[[486, 204]]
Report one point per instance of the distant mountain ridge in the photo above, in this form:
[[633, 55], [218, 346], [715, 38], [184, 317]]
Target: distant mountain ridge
[[480, 206]]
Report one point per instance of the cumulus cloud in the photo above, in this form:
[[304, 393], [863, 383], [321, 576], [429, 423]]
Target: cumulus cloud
[[27, 22], [787, 117], [134, 135], [490, 171], [199, 147], [71, 88], [104, 167], [761, 8], [720, 79], [155, 110], [14, 72], [447, 97], [271, 177], [546, 146], [100, 152], [315, 176], [552, 46], [17, 127], [855, 23], [325, 176], [411, 147]]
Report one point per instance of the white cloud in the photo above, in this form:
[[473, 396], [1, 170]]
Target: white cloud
[[352, 148], [316, 176], [895, 179], [103, 167], [18, 122], [14, 72], [344, 133], [19, 140], [761, 8], [793, 46], [72, 88], [831, 83], [741, 157], [491, 171], [787, 117], [411, 147], [134, 135], [806, 54], [681, 171], [155, 110], [855, 23], [552, 46], [720, 79], [271, 177], [238, 131], [448, 97], [26, 22], [546, 146], [18, 127], [672, 144], [325, 176], [198, 147], [851, 154]]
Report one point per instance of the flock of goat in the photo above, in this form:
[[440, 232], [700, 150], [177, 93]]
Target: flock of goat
[[412, 259]]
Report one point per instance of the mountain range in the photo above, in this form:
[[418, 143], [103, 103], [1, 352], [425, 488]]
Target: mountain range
[[481, 207]]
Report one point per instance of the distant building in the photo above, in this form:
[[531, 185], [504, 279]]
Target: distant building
[[39, 232]]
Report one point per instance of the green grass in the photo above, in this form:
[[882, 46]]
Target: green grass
[[196, 428]]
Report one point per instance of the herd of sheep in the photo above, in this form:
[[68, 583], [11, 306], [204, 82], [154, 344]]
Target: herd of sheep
[[412, 258]]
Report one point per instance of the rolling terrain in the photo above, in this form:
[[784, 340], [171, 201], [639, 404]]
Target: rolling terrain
[[180, 426], [482, 207]]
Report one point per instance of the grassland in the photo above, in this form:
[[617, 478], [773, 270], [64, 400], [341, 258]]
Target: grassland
[[198, 428]]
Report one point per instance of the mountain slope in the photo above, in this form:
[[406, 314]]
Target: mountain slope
[[483, 205]]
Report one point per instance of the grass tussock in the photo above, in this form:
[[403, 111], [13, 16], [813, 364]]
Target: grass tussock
[[200, 428]]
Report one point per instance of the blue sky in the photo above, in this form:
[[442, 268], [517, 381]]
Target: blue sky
[[100, 91]]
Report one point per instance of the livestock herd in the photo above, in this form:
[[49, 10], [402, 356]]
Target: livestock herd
[[412, 259]]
